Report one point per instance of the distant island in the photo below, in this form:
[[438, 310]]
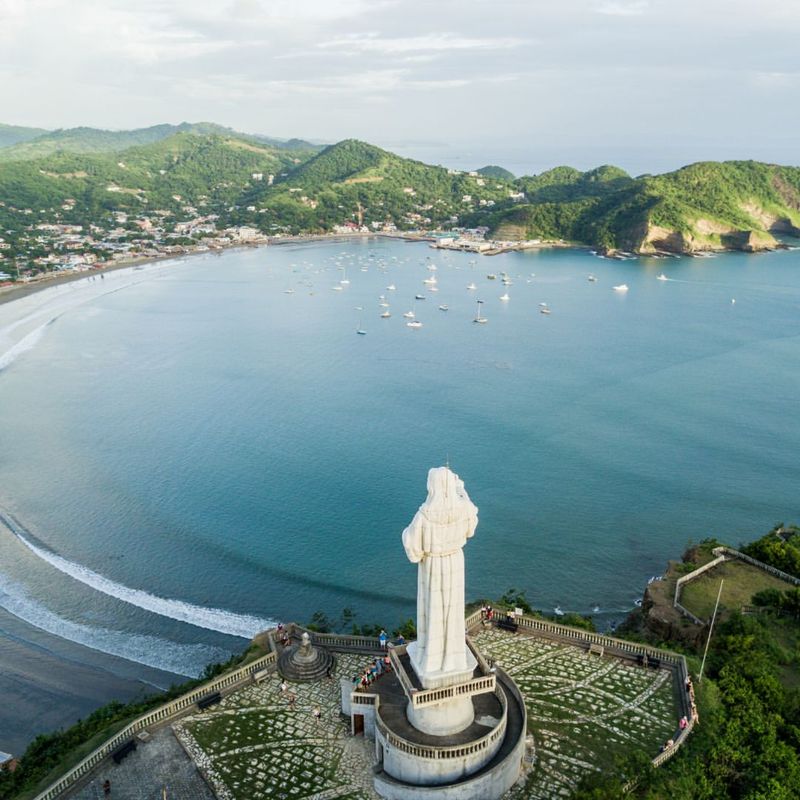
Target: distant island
[[73, 199]]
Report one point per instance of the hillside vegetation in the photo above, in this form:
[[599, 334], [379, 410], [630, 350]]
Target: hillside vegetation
[[739, 205], [83, 175], [29, 143]]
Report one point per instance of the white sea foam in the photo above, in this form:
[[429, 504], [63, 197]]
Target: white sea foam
[[215, 619], [183, 659], [28, 342]]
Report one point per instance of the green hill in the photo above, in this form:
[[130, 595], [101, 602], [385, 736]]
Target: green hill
[[493, 171], [83, 174], [14, 134], [705, 206], [353, 181], [184, 169], [95, 140]]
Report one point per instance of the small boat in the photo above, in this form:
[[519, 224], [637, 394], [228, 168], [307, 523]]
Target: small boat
[[433, 288], [415, 323], [544, 310], [288, 291], [507, 281], [391, 287], [419, 296], [592, 278], [385, 315], [383, 305], [430, 281], [543, 305], [361, 332], [558, 612], [623, 287], [505, 298], [596, 610], [443, 307], [491, 276], [471, 287], [479, 318], [662, 277], [409, 315], [432, 267], [338, 288]]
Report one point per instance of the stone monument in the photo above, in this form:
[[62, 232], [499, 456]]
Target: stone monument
[[446, 725], [440, 656]]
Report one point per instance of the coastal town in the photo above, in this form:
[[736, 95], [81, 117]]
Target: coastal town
[[49, 250]]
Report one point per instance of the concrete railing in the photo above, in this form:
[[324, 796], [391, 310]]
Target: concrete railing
[[453, 751], [731, 553], [155, 717], [427, 697], [583, 638], [723, 554], [690, 577]]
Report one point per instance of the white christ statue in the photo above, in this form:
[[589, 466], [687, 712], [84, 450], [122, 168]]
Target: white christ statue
[[434, 540]]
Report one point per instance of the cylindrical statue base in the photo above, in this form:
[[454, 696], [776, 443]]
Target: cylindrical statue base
[[442, 719]]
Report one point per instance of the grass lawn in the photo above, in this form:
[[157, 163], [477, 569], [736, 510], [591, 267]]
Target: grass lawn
[[583, 710], [742, 581]]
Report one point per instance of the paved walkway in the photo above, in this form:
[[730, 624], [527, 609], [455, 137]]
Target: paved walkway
[[157, 764]]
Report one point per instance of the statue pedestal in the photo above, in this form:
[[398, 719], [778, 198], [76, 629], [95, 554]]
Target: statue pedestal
[[437, 680]]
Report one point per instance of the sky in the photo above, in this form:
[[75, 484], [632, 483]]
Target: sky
[[646, 84]]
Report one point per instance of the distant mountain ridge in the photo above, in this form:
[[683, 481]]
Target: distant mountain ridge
[[85, 174], [26, 143]]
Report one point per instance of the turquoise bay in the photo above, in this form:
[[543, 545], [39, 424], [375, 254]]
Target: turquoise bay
[[205, 436]]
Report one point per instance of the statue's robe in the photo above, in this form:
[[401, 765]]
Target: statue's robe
[[434, 540]]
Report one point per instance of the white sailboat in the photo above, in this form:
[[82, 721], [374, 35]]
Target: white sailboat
[[623, 287], [479, 318]]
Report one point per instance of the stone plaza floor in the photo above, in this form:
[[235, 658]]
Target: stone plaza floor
[[583, 710], [158, 767], [254, 745]]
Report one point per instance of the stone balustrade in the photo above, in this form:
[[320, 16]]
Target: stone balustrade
[[452, 751], [156, 717]]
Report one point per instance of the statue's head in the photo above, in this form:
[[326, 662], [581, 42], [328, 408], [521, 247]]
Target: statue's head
[[447, 497]]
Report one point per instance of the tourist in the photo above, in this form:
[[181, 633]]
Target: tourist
[[387, 664], [329, 672], [383, 638], [292, 700], [284, 687], [317, 713], [400, 640], [683, 723], [107, 787], [356, 681]]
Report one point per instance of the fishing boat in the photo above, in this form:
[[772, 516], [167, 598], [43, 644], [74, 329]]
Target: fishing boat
[[544, 310], [491, 276], [386, 314], [623, 287], [591, 278], [419, 296], [444, 307], [415, 323]]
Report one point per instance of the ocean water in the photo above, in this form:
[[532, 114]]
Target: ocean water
[[186, 459]]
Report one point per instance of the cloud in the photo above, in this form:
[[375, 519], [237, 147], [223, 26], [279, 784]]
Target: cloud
[[623, 8], [373, 42]]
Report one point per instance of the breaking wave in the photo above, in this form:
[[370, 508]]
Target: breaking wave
[[28, 342], [215, 619], [152, 651]]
